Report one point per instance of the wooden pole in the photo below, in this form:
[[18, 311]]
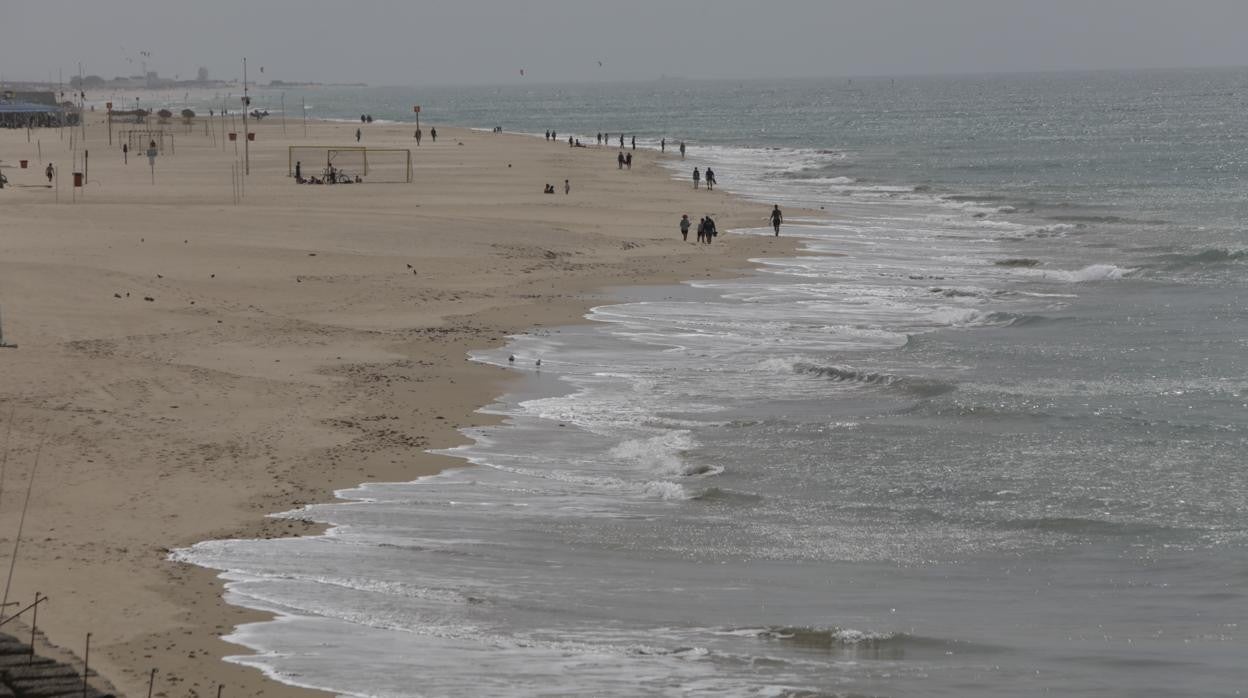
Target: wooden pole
[[151, 681]]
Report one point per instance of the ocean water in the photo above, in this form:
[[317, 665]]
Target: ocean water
[[983, 436]]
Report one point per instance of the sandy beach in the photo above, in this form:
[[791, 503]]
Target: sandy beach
[[186, 365]]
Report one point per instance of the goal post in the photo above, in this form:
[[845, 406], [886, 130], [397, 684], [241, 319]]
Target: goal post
[[370, 165]]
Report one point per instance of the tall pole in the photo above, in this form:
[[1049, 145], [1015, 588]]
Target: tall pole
[[303, 107], [246, 133], [283, 112]]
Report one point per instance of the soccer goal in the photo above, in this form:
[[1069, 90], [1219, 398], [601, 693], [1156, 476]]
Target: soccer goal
[[370, 165], [139, 140]]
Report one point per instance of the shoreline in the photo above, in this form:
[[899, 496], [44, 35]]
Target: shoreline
[[373, 384]]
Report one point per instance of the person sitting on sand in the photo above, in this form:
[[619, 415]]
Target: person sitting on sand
[[550, 189]]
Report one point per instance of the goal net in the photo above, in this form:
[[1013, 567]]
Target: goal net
[[140, 140], [370, 165]]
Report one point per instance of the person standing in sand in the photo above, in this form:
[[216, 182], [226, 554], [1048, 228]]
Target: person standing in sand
[[776, 218], [684, 227], [634, 142], [50, 172], [697, 178], [710, 179], [358, 133], [567, 187], [433, 134], [418, 134], [662, 145], [682, 150]]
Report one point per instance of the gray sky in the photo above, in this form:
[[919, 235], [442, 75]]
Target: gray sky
[[409, 42]]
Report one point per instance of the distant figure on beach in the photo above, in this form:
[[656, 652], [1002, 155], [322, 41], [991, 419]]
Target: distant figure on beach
[[662, 145], [125, 154], [554, 136], [358, 133], [298, 171], [621, 140], [710, 179], [362, 118], [684, 227], [634, 142], [619, 160], [682, 150], [433, 134], [550, 189], [628, 161], [50, 172], [711, 232], [567, 187], [418, 135], [600, 139], [776, 218], [570, 142], [697, 178]]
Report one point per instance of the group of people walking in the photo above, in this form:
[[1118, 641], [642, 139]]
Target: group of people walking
[[707, 231], [710, 178]]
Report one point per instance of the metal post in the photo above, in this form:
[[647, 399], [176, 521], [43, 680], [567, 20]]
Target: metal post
[[86, 666], [303, 106], [246, 107], [151, 681], [283, 112], [34, 624]]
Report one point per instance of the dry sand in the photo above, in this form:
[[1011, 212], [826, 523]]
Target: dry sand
[[287, 348]]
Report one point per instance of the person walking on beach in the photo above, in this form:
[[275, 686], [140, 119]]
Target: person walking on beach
[[418, 134], [50, 172], [628, 161], [599, 138], [711, 232], [634, 142], [357, 135], [621, 140], [682, 150], [710, 179], [684, 227], [619, 159], [433, 134], [567, 187], [776, 218], [697, 178], [662, 145], [702, 229], [125, 153]]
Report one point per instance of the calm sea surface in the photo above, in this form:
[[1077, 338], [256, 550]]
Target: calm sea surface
[[984, 436]]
